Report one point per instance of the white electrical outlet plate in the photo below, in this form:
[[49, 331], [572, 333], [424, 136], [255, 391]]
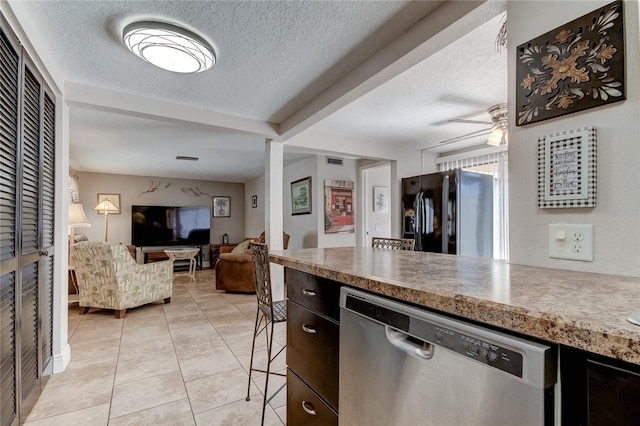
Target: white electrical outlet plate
[[571, 241]]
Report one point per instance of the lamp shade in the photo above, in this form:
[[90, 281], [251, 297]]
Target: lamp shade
[[106, 206], [77, 218]]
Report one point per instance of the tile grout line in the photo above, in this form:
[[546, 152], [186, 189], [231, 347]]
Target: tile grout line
[[115, 373], [198, 295], [184, 383]]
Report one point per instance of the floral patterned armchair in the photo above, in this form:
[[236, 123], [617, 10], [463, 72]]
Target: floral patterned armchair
[[109, 278]]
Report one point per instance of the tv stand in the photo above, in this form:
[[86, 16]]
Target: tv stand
[[147, 254]]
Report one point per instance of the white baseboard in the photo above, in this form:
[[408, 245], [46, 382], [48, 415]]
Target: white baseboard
[[60, 361]]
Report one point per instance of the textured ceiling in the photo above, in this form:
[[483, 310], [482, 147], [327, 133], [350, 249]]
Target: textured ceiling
[[274, 58], [413, 109]]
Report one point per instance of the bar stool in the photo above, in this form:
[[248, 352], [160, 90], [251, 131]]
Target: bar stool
[[268, 314], [393, 243]]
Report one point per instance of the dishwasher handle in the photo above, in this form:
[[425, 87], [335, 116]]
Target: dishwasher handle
[[401, 341]]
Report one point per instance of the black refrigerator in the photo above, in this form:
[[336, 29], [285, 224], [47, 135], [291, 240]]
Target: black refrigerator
[[449, 212]]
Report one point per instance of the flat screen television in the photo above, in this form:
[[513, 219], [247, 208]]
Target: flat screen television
[[170, 226]]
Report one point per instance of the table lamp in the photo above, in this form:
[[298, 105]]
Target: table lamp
[[106, 206], [77, 219]]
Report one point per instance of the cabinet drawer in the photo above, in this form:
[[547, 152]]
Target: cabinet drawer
[[318, 294], [304, 407], [312, 351]]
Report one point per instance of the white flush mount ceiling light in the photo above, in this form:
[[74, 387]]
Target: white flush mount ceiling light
[[498, 115], [169, 47]]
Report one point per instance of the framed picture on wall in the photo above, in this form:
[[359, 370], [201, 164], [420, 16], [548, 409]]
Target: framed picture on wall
[[380, 199], [339, 215], [221, 206], [114, 198], [567, 173], [301, 196]]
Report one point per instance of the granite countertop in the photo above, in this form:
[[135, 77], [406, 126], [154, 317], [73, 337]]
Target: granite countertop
[[582, 310]]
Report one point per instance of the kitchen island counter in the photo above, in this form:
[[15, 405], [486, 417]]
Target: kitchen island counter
[[580, 310]]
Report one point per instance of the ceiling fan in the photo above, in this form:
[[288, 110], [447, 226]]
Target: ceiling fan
[[497, 132]]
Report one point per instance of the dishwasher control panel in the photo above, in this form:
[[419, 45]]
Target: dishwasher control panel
[[486, 352], [471, 346]]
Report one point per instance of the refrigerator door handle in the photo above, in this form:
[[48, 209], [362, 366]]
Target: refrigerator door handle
[[444, 222]]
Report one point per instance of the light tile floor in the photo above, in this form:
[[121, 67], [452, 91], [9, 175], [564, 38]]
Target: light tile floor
[[184, 363]]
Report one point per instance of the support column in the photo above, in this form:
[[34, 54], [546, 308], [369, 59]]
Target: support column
[[273, 215], [61, 349], [395, 201]]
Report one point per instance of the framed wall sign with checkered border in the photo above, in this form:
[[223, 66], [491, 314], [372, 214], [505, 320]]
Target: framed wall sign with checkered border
[[567, 174]]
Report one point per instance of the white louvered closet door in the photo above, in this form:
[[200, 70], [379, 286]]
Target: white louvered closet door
[[27, 152]]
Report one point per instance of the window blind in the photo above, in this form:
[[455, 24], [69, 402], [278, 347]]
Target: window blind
[[494, 162]]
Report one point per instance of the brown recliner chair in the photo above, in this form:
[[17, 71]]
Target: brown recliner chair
[[234, 271]]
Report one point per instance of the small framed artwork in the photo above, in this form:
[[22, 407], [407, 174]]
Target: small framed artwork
[[221, 206], [380, 199], [339, 215], [254, 201], [301, 196], [567, 174], [114, 198]]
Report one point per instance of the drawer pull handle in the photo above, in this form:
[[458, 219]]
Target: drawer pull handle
[[308, 292], [308, 329], [311, 411]]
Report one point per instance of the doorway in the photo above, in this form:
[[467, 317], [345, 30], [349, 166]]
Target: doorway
[[376, 209]]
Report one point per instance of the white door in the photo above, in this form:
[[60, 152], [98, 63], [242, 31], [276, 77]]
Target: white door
[[377, 209]]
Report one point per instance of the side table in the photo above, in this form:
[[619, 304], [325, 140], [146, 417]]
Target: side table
[[72, 279], [190, 254], [74, 293]]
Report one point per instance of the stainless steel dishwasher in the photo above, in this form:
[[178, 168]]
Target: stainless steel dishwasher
[[400, 365]]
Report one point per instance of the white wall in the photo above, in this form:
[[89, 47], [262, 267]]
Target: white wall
[[307, 231], [302, 228], [131, 190], [330, 171], [254, 217], [404, 162], [616, 218]]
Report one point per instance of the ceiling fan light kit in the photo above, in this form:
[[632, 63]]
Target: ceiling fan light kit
[[498, 132], [169, 47], [497, 137], [498, 115]]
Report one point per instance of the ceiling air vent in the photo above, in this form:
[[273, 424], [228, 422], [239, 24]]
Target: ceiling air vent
[[186, 158], [334, 160]]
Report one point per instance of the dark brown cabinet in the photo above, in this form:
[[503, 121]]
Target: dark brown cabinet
[[314, 293], [312, 345], [313, 336], [597, 390], [304, 407]]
